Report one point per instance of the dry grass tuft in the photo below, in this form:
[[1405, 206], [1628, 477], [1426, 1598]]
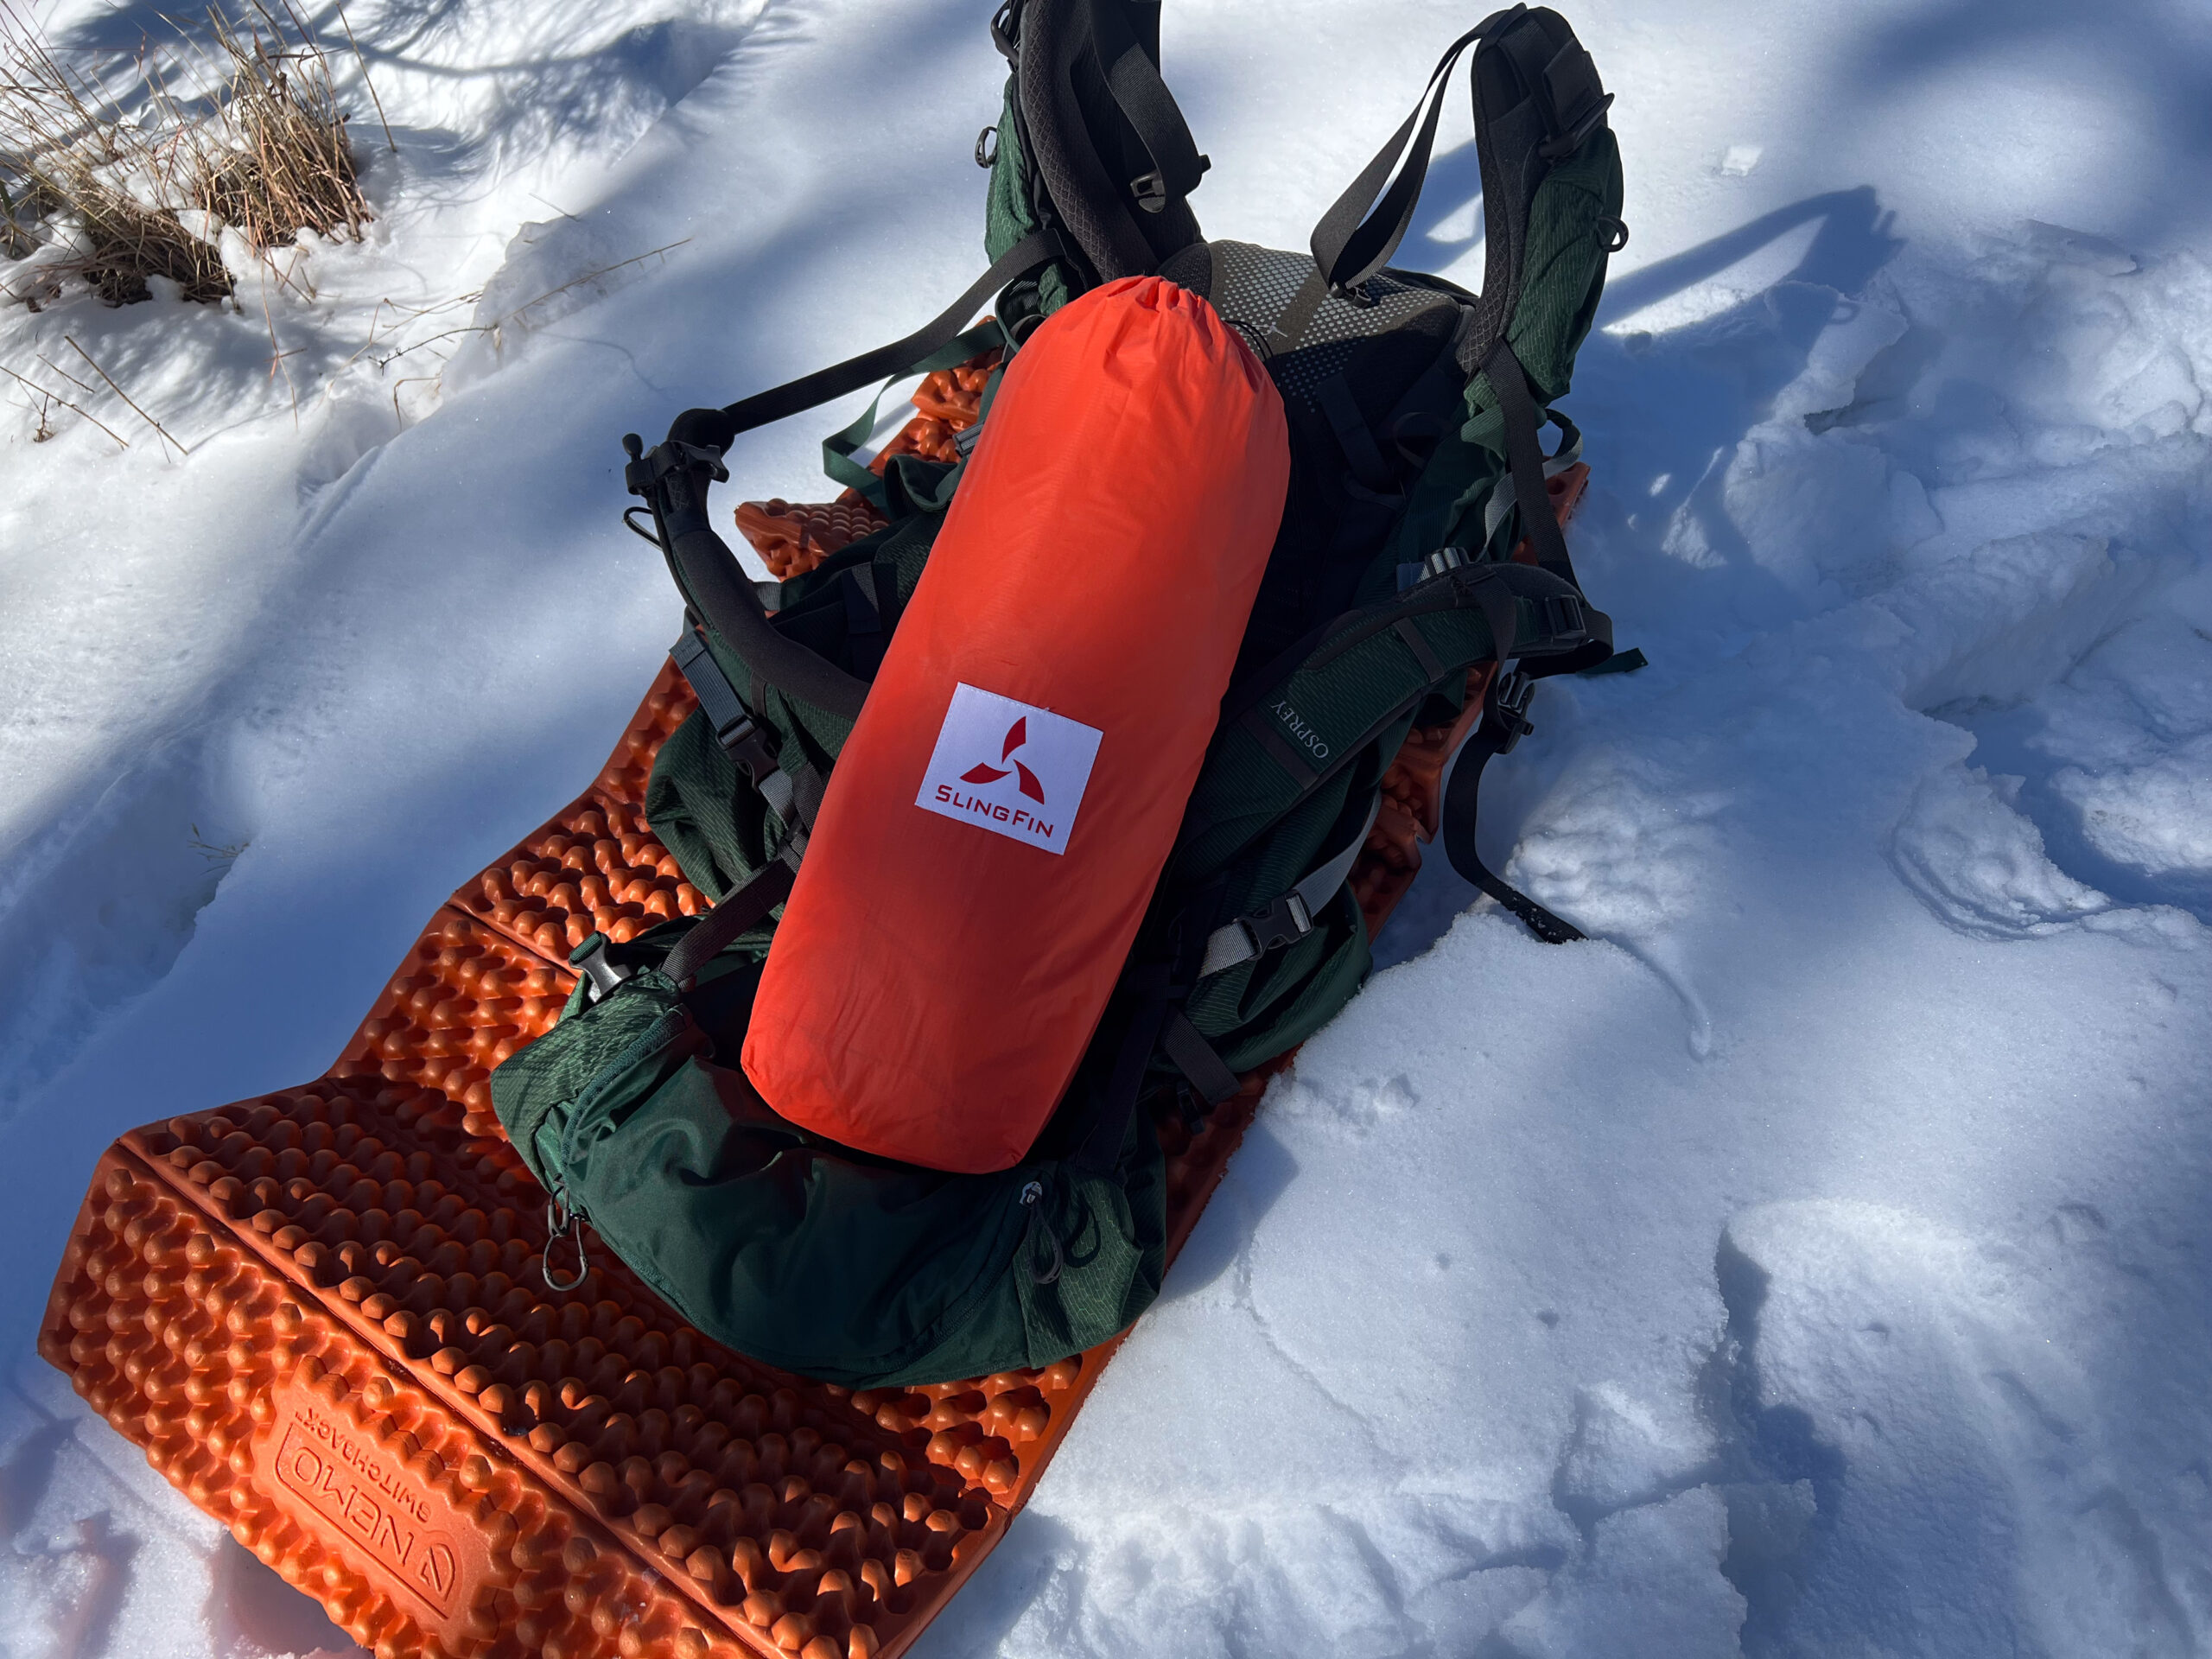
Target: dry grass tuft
[[104, 194], [287, 166]]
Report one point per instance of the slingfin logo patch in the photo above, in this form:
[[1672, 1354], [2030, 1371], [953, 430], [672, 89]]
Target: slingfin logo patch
[[1009, 767]]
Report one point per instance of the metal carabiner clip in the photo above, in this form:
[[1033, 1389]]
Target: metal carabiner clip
[[561, 1223]]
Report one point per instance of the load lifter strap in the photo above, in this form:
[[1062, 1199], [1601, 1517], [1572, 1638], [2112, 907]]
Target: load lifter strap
[[1133, 80], [720, 427]]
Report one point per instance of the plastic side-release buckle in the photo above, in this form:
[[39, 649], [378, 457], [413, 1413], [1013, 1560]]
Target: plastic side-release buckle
[[1284, 922], [590, 959], [1509, 708], [734, 725]]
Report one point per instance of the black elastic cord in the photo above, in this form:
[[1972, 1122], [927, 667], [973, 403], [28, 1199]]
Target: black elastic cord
[[1351, 244]]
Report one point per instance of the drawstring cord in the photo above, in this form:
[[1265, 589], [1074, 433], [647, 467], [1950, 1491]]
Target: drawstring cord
[[1032, 1200], [561, 1223]]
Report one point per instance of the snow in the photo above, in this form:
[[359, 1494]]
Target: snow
[[1812, 1263]]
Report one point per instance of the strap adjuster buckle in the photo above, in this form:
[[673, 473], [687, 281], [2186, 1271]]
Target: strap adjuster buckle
[[1570, 140], [647, 467], [1284, 922], [733, 734], [1509, 708], [1564, 618], [590, 960]]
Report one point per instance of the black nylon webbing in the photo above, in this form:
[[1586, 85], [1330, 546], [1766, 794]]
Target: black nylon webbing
[[737, 912], [1524, 454], [718, 699], [1354, 436], [719, 427], [1430, 667], [1145, 100], [1194, 1056], [1349, 244], [1460, 803], [1099, 1144]]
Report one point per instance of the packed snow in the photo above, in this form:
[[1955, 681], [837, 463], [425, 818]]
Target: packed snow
[[1812, 1263]]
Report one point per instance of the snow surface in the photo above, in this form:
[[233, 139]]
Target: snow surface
[[1813, 1262]]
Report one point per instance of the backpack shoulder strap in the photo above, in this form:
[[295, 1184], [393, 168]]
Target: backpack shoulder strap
[[1536, 98], [1111, 152]]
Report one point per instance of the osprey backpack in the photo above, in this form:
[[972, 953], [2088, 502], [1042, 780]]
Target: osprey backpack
[[1370, 547]]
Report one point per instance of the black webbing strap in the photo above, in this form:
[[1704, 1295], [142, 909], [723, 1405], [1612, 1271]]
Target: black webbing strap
[[1194, 1056], [1144, 986], [738, 912], [1459, 803], [734, 725], [1132, 78], [1524, 457], [673, 480], [1354, 436], [719, 427], [864, 634], [1351, 244], [1524, 454]]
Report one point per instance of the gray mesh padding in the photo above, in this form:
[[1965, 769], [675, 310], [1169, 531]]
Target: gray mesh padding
[[1252, 286]]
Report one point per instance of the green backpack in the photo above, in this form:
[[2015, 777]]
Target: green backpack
[[1414, 410]]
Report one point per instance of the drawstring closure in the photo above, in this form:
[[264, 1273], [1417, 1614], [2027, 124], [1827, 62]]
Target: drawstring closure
[[1032, 1200]]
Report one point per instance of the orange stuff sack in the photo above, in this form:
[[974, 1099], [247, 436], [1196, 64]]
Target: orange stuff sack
[[995, 823]]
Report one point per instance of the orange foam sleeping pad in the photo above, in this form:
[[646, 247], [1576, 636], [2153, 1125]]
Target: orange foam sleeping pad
[[998, 819]]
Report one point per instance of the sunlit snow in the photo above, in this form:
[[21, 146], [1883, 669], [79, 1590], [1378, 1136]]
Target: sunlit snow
[[1814, 1261]]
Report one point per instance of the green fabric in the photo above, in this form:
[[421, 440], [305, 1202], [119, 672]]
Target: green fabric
[[1008, 215], [1562, 279], [853, 1270], [840, 447], [864, 1272]]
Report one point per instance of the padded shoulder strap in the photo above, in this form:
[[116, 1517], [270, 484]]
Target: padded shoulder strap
[[1536, 98], [1112, 149]]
